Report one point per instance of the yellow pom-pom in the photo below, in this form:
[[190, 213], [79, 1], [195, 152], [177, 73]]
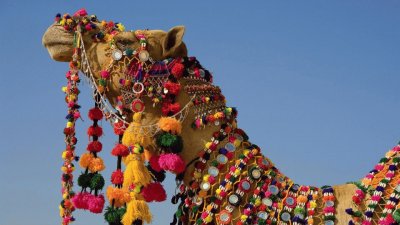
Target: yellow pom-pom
[[64, 154], [64, 89], [121, 27], [218, 191], [208, 144], [257, 202], [206, 177], [243, 217], [208, 219], [70, 124], [313, 204], [62, 22], [197, 175], [237, 172]]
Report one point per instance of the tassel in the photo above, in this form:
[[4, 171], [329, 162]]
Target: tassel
[[136, 209], [132, 134], [136, 172]]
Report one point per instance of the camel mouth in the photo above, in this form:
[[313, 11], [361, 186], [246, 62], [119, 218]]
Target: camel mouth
[[59, 43]]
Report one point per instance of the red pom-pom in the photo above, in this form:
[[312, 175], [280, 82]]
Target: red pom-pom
[[154, 192], [119, 128], [169, 109], [95, 114], [69, 131], [120, 150], [177, 70], [356, 200], [154, 163], [96, 204], [95, 131], [173, 88], [94, 146], [172, 162], [117, 177]]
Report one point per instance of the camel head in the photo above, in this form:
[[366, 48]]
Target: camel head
[[59, 39], [97, 37]]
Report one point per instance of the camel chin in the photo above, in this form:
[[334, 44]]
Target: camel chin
[[58, 43]]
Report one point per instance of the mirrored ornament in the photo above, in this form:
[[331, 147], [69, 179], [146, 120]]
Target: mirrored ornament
[[255, 173], [144, 56], [225, 217], [267, 201], [329, 203], [329, 222], [273, 189], [116, 54], [285, 216], [213, 171], [245, 185], [234, 199], [205, 186], [289, 201], [263, 215], [230, 147], [222, 159]]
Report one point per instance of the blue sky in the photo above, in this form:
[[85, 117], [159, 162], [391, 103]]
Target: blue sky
[[315, 82]]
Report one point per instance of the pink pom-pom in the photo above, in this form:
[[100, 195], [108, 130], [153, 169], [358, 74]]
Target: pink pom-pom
[[379, 167], [71, 104], [172, 162], [211, 179], [105, 74], [117, 177], [396, 148], [376, 198], [366, 222], [154, 163], [96, 204], [80, 12], [94, 146], [329, 210], [95, 114], [154, 192], [120, 150], [88, 27], [77, 115], [370, 176], [80, 200], [67, 220]]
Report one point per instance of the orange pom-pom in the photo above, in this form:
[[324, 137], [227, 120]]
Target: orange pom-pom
[[96, 165], [120, 196], [169, 124], [85, 160]]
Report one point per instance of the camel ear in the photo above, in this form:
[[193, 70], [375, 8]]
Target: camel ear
[[172, 44]]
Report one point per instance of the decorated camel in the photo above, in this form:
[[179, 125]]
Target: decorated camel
[[169, 116]]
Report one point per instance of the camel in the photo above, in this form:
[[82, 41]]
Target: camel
[[162, 45]]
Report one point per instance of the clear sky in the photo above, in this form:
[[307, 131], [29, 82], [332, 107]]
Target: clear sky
[[315, 82]]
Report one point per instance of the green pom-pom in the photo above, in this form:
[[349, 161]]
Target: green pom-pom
[[383, 160], [170, 142], [84, 180], [396, 160], [357, 214], [396, 215], [113, 215], [299, 210], [97, 182]]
